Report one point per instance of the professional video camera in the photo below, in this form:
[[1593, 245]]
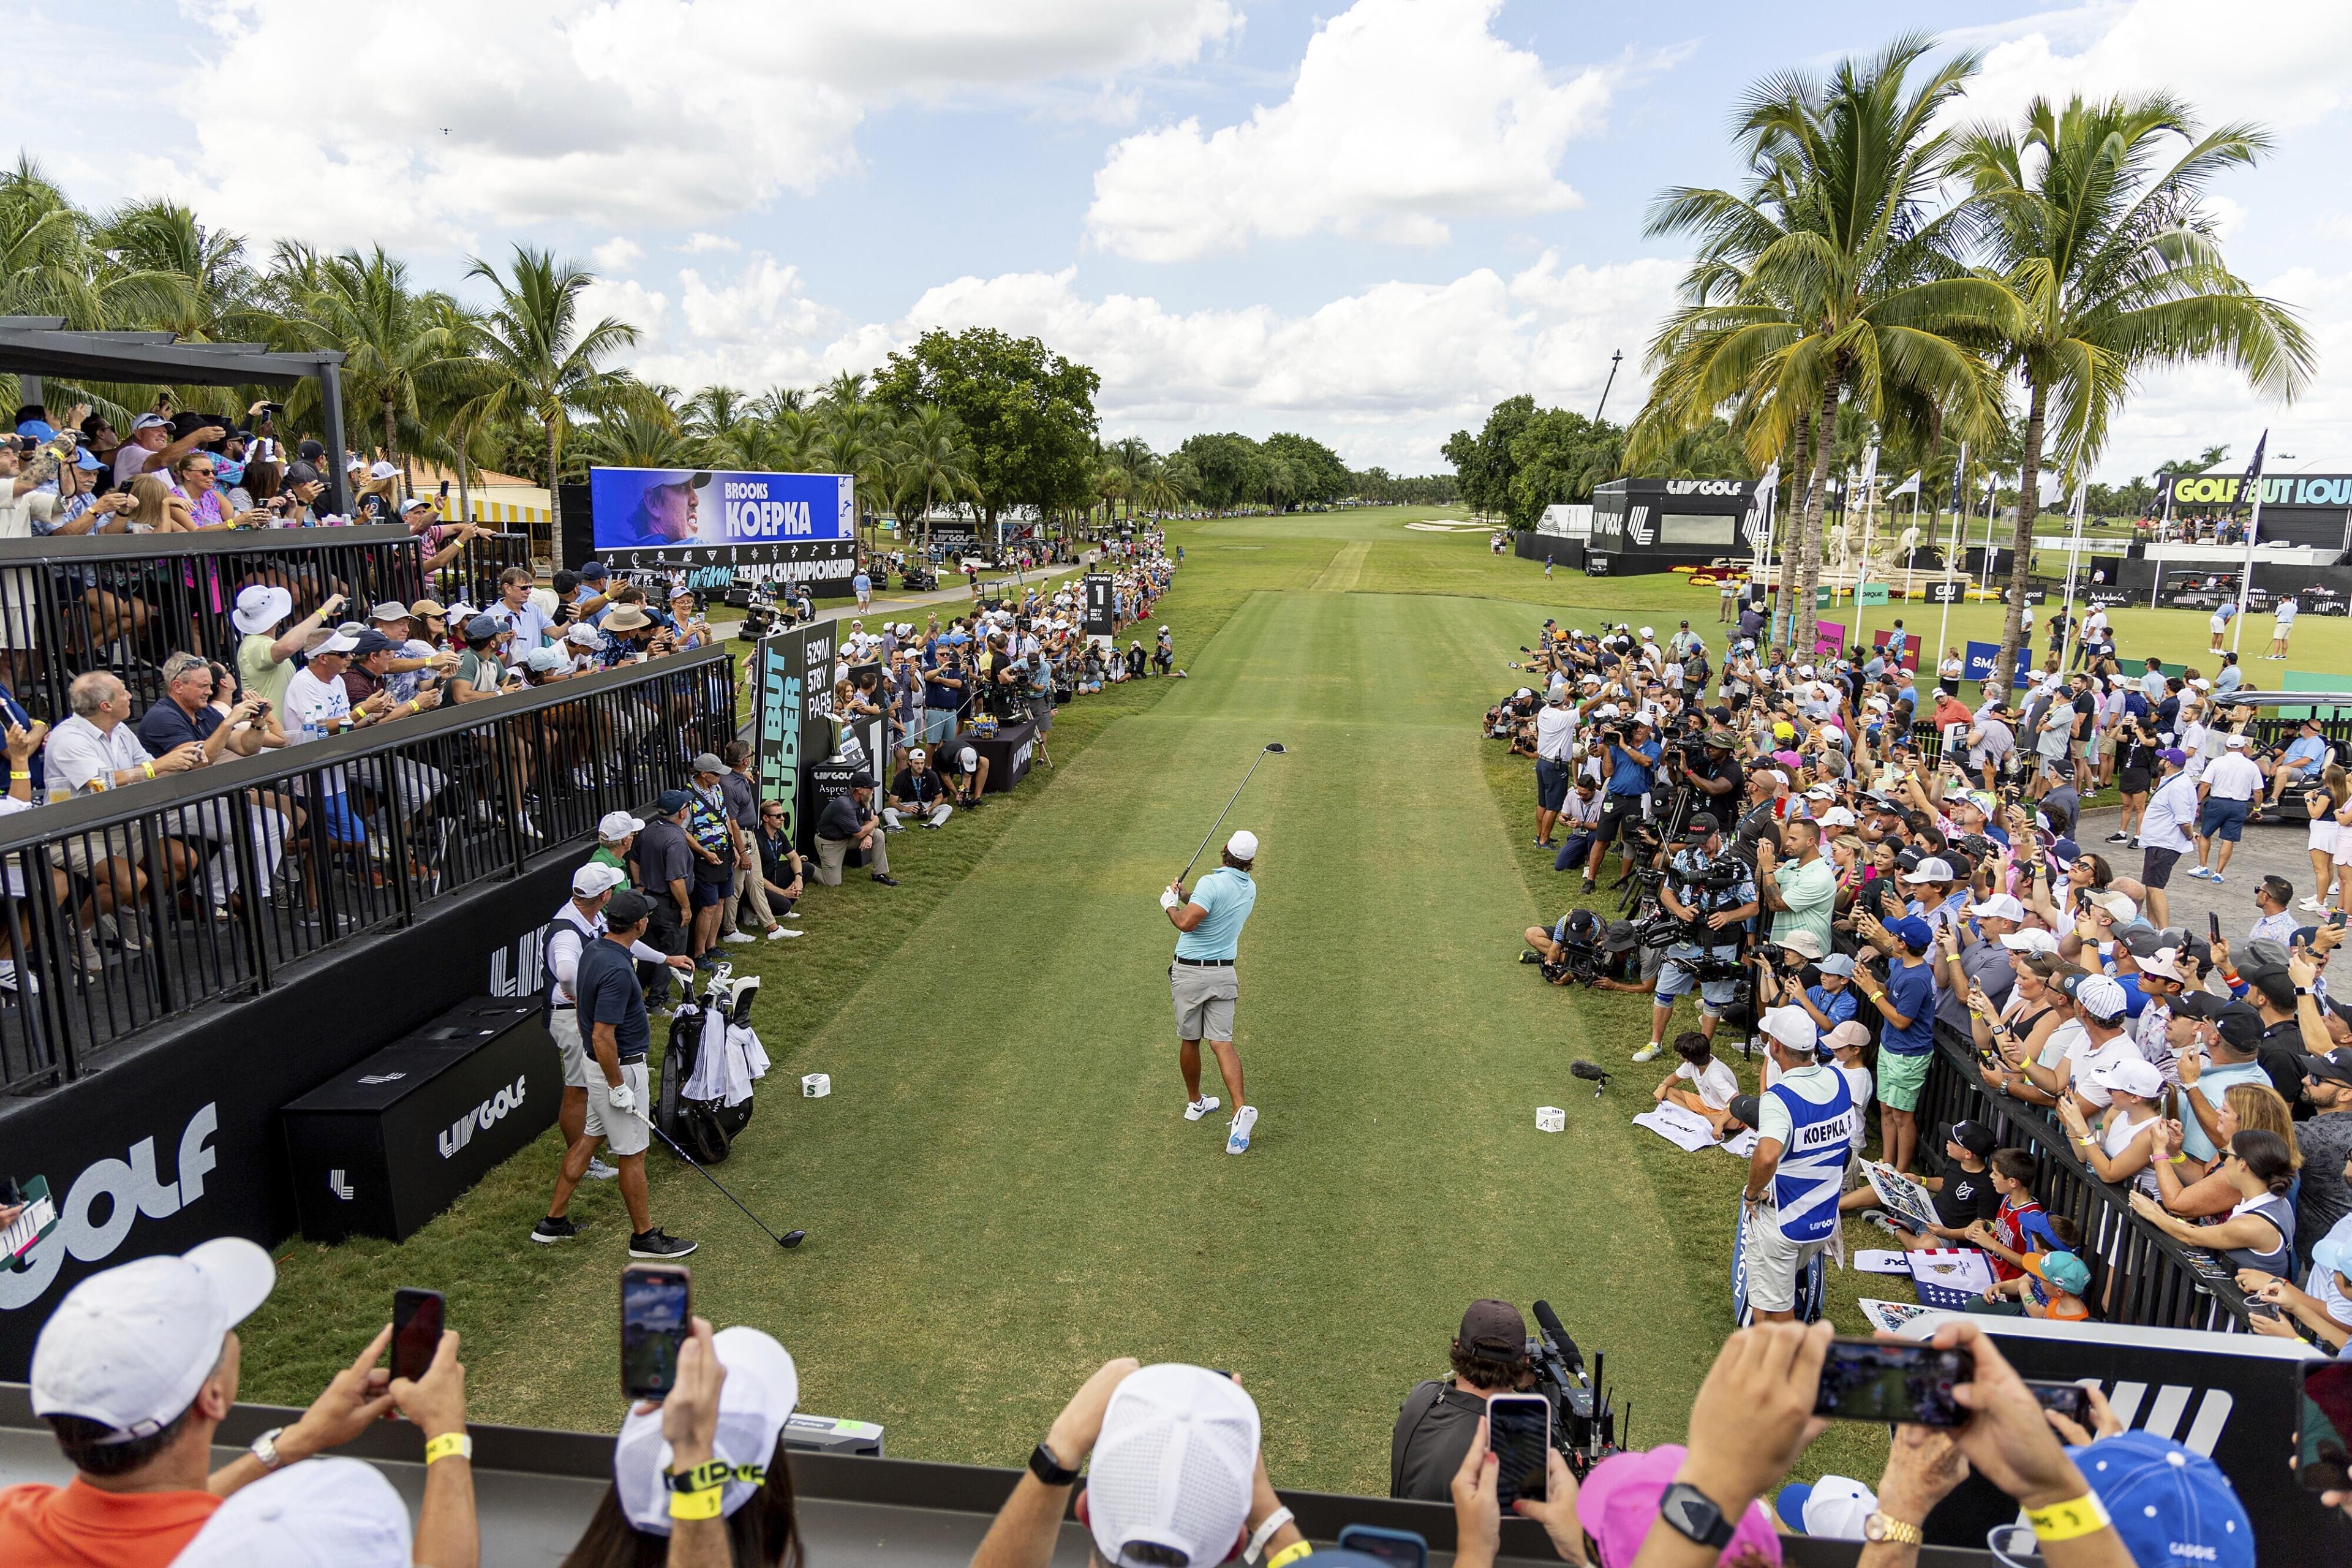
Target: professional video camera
[[1580, 961], [1584, 1425]]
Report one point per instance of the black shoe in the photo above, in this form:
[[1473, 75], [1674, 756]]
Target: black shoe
[[551, 1229], [2118, 837], [1530, 956], [885, 881], [659, 1243]]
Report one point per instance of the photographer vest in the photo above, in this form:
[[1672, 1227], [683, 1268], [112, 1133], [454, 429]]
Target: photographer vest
[[1811, 1173]]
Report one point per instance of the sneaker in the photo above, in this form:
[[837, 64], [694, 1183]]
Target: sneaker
[[706, 961], [86, 953], [781, 932], [1529, 955], [2118, 837], [1199, 1108], [886, 881], [600, 1172], [659, 1243], [2316, 905], [9, 980], [792, 914], [551, 1230], [1875, 1217], [1648, 1053], [2199, 873], [2215, 878], [738, 936], [1237, 1140], [129, 937]]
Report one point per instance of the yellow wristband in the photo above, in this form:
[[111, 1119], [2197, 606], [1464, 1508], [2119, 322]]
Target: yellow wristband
[[14, 774], [147, 768], [704, 1504], [449, 1445], [2084, 1515], [1289, 1554]]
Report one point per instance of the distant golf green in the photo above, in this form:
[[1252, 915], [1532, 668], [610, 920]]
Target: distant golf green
[[1002, 1192]]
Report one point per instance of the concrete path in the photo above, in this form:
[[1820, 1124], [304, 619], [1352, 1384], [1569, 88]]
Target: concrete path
[[2265, 850]]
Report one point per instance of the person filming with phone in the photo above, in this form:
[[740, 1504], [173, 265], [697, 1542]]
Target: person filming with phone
[[1439, 1419]]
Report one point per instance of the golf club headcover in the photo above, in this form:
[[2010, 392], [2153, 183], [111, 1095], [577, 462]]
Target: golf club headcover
[[1168, 900]]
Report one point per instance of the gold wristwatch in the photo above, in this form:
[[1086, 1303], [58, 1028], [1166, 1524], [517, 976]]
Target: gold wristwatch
[[1886, 1527]]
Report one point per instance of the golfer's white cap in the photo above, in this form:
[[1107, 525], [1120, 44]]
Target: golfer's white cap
[[1174, 1465], [615, 826], [130, 1348], [1243, 845], [1838, 1508], [596, 878], [1792, 1027], [762, 1388], [326, 1513]]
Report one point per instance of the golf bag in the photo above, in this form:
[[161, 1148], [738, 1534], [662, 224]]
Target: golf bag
[[1813, 1281], [703, 1096]]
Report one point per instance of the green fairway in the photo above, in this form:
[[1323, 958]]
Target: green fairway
[[1002, 1192]]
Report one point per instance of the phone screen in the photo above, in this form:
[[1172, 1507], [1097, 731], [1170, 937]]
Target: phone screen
[[2212, 925], [2071, 1400], [415, 1331], [1518, 1430], [1400, 1546], [656, 1303], [1865, 1381]]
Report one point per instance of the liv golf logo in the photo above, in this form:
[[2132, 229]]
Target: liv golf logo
[[107, 1198], [484, 1116]]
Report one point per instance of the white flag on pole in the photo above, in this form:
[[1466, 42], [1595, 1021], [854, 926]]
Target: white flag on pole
[[1909, 487]]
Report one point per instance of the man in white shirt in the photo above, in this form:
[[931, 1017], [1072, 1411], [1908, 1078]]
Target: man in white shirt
[[2100, 1004], [2282, 626], [515, 611], [576, 922], [2230, 785], [2164, 828], [93, 750], [149, 448], [1555, 728]]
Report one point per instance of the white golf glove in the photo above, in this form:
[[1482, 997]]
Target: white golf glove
[[1168, 900], [621, 1098]]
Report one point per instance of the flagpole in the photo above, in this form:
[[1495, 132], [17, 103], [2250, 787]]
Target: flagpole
[[2073, 555], [2253, 527], [1960, 510]]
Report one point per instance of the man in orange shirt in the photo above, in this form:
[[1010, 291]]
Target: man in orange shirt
[[135, 1371]]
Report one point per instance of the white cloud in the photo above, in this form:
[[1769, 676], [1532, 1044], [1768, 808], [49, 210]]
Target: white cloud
[[1384, 376], [702, 240], [616, 254], [628, 113], [1404, 113]]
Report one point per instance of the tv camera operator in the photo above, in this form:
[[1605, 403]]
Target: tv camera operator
[[1706, 898], [1495, 1354], [1632, 759]]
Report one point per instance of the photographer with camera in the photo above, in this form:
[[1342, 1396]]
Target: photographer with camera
[[1712, 896], [1439, 1419], [1633, 760]]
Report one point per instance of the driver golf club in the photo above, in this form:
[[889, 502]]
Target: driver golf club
[[1274, 748], [790, 1237]]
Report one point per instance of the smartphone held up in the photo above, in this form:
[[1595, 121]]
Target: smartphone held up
[[1910, 1384], [656, 1315], [1518, 1430], [416, 1324]]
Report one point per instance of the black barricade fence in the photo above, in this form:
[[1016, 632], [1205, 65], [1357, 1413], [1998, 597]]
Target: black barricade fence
[[159, 898], [127, 601], [2139, 1275], [471, 576]]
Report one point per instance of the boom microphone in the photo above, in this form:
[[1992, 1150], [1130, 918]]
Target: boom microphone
[[1548, 1321]]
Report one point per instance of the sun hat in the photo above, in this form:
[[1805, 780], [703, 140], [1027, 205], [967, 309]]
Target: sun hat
[[260, 607], [1619, 1503], [1173, 1468], [326, 1512], [762, 1389], [1802, 942], [628, 618], [129, 1347]]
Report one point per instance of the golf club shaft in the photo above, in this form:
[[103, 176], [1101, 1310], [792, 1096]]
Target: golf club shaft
[[1220, 820], [714, 1181]]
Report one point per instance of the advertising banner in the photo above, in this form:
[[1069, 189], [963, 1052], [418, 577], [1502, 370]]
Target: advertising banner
[[1829, 637], [1980, 658], [773, 527], [1950, 591], [1910, 659], [779, 677], [1100, 621]]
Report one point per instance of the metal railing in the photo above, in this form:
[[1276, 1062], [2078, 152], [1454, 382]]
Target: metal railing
[[207, 886], [2139, 1275], [126, 602], [471, 576]]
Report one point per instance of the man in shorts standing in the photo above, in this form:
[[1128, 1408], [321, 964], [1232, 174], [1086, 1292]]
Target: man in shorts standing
[[1805, 1132], [577, 922], [612, 1013], [1201, 980]]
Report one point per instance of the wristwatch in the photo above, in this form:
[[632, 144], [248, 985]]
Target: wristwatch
[[1694, 1515], [264, 1449], [1886, 1527], [1049, 1469]]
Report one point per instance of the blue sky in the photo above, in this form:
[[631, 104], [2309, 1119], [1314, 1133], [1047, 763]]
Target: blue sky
[[1368, 221]]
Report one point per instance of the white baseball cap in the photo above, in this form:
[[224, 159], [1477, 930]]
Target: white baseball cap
[[1174, 1465], [2000, 906], [2120, 907], [130, 1348], [1836, 816], [337, 642], [2233, 742], [2032, 939], [1838, 1508], [382, 470], [1243, 845], [762, 1389], [260, 607], [326, 1512], [2132, 1075], [615, 826], [968, 757], [1934, 869], [596, 878], [1792, 1027], [583, 633]]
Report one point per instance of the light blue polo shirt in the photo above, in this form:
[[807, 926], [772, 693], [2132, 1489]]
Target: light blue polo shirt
[[1227, 894]]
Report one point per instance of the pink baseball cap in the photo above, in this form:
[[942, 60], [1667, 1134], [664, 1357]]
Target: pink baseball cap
[[1619, 1503], [1789, 759]]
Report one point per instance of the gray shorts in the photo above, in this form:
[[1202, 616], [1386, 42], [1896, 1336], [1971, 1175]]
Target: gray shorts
[[624, 1131], [1204, 1000], [1774, 1262], [563, 1023]]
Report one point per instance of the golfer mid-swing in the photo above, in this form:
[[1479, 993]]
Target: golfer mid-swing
[[1202, 982]]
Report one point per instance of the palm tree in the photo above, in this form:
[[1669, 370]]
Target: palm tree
[[402, 351], [637, 434], [938, 454], [2114, 261], [1828, 278], [537, 362]]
